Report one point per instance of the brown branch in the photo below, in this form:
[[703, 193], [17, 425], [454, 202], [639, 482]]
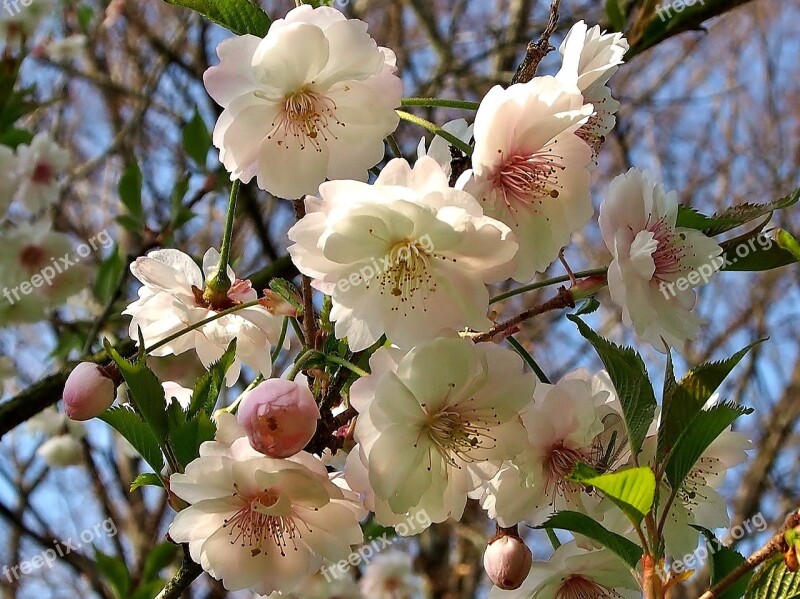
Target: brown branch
[[777, 544], [184, 577], [539, 49], [564, 299]]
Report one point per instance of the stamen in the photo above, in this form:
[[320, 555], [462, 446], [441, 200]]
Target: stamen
[[527, 179], [308, 116]]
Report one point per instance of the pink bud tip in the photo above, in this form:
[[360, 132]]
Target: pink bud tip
[[279, 416], [88, 392], [507, 561]]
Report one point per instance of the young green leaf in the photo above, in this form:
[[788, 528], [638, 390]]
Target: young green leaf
[[161, 556], [115, 571], [145, 391], [208, 387], [108, 275], [723, 561], [732, 217], [131, 426], [239, 16], [616, 14], [582, 524], [631, 381], [632, 490], [684, 400], [148, 479], [130, 192], [187, 438], [197, 140], [773, 580], [698, 434], [758, 252]]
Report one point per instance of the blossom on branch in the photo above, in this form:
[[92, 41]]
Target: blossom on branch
[[313, 100]]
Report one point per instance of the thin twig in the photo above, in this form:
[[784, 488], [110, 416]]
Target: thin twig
[[539, 49], [564, 299], [185, 576], [777, 544]]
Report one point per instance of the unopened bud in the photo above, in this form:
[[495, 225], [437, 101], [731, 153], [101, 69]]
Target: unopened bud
[[88, 392], [279, 416], [61, 451], [507, 561], [277, 305]]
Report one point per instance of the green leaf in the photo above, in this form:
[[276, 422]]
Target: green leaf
[[130, 224], [758, 252], [115, 571], [631, 381], [773, 580], [108, 275], [239, 16], [148, 479], [723, 561], [160, 557], [85, 14], [197, 140], [732, 217], [698, 434], [145, 391], [582, 524], [616, 15], [131, 426], [130, 192], [14, 137], [206, 391], [187, 438], [589, 306], [683, 401], [632, 490]]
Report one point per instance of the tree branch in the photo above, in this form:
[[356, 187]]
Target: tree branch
[[184, 577], [539, 49]]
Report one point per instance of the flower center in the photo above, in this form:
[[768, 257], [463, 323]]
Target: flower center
[[455, 433], [252, 527], [590, 132], [307, 116], [669, 252], [705, 468], [407, 270], [32, 258], [525, 179], [559, 466], [43, 174], [578, 587]]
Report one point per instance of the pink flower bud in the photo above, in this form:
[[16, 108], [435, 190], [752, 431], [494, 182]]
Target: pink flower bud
[[88, 392], [507, 561], [279, 416]]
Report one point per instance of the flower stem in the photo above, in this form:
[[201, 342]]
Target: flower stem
[[279, 345], [529, 360], [349, 365], [220, 282], [199, 324], [301, 361], [433, 128], [440, 103], [548, 282]]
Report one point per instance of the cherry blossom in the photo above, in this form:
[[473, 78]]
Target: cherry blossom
[[656, 264], [406, 257], [317, 91], [39, 166]]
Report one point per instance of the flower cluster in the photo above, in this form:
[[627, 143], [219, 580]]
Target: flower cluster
[[411, 410]]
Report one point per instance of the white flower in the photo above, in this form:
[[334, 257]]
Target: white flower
[[259, 523], [569, 422], [434, 423], [589, 59], [8, 178], [37, 272], [320, 588], [38, 168], [697, 501], [529, 167], [407, 256], [66, 48], [573, 573], [182, 395], [655, 264], [61, 451], [439, 148], [391, 576], [313, 100], [171, 299]]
